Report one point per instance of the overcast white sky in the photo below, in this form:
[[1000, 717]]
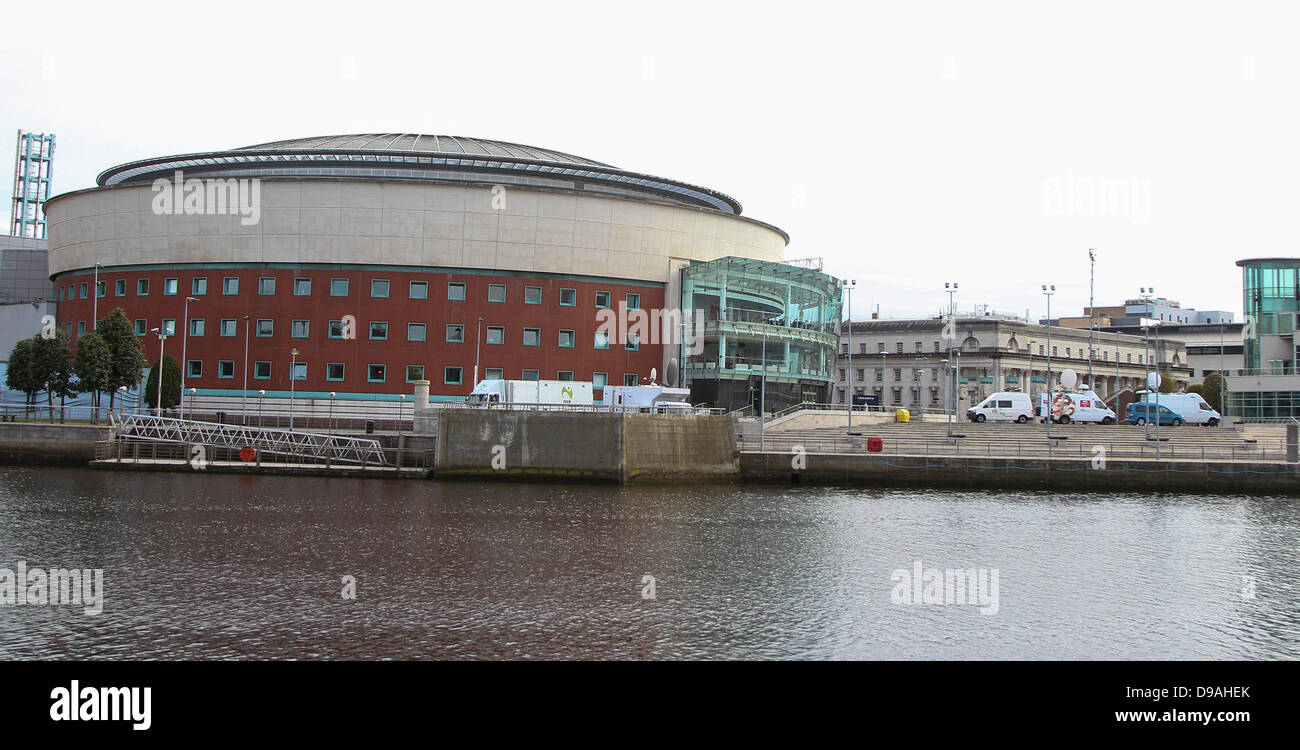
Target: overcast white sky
[[906, 143]]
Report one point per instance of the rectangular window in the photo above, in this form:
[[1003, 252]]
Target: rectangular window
[[566, 338], [169, 327], [301, 287], [496, 334], [415, 332], [85, 289], [379, 287], [568, 297], [195, 368], [376, 373], [338, 287], [119, 288], [337, 329], [265, 327], [226, 368], [334, 371], [899, 347], [532, 336], [199, 285], [142, 287], [601, 340], [494, 373], [564, 375], [629, 378], [228, 326], [633, 301], [170, 286], [602, 299], [531, 375], [451, 375], [101, 289], [230, 285], [532, 295], [196, 326], [880, 350], [496, 292], [300, 329], [633, 342], [378, 330], [81, 328], [298, 370], [266, 285], [262, 370], [599, 379], [455, 290], [414, 373], [455, 333], [419, 290]]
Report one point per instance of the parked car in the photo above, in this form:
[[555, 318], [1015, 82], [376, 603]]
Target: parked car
[[1003, 407], [1141, 413]]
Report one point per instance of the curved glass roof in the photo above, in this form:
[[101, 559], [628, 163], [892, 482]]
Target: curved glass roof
[[410, 156]]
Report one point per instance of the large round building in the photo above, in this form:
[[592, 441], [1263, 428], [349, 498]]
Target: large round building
[[383, 259]]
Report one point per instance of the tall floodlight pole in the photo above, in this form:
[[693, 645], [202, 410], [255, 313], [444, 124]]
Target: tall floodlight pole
[[1092, 266], [478, 339], [94, 324], [1159, 378], [185, 345], [762, 396], [1223, 407], [951, 335], [1116, 388], [293, 368], [848, 286], [1146, 349], [244, 408], [162, 347], [1048, 291]]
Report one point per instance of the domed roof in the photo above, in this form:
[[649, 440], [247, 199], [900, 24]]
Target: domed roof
[[426, 144]]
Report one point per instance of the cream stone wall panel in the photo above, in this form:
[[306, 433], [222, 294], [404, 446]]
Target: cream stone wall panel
[[478, 199], [361, 222], [480, 255], [403, 195], [451, 253], [520, 230], [521, 202], [553, 259], [357, 194], [445, 198], [444, 225], [280, 221], [590, 262], [403, 223], [595, 209], [514, 257], [325, 220], [556, 206], [553, 232], [625, 238], [481, 227], [322, 193], [281, 193], [402, 251], [592, 234]]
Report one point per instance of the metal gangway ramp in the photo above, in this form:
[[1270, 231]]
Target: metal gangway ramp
[[306, 445]]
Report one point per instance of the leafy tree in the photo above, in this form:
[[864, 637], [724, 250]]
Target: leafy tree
[[93, 366], [126, 356], [171, 384], [21, 375], [51, 365], [1212, 390], [1167, 383]]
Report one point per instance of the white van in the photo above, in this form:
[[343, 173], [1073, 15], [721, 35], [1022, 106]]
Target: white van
[[1084, 406], [1190, 406], [1003, 407]]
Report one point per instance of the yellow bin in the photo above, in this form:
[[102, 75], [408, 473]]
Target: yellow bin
[[902, 415]]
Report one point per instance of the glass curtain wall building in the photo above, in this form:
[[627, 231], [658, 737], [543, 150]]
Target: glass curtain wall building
[[1269, 386], [750, 315]]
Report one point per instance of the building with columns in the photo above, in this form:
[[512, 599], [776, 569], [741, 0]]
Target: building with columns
[[903, 361]]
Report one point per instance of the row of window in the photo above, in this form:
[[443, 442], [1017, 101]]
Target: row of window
[[378, 373], [1104, 354], [454, 333], [339, 287]]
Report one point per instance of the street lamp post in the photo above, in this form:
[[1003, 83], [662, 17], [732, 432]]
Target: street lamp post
[[1048, 293], [244, 409], [260, 394], [951, 331], [331, 412], [162, 347], [1092, 266], [94, 324], [1146, 344], [192, 392], [185, 345], [293, 372], [849, 284], [478, 340]]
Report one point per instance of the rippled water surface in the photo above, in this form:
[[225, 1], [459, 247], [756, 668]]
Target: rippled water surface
[[226, 567]]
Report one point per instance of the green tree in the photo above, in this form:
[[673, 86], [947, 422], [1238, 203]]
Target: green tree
[[1212, 391], [1167, 383], [126, 356], [51, 365], [93, 366], [21, 374], [171, 384]]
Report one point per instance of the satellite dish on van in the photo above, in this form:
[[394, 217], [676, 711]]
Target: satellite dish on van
[[670, 372], [1153, 380], [654, 373], [1068, 379]]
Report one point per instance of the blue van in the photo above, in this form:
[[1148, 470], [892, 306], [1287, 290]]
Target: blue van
[[1140, 414]]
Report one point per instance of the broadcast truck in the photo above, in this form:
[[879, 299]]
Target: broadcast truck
[[537, 392]]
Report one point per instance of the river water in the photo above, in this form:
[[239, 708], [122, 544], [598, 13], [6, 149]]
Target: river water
[[217, 566]]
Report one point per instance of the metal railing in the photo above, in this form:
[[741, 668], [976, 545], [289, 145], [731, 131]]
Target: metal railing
[[174, 454], [294, 444]]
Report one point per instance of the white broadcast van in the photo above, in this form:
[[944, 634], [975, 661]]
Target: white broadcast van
[[1083, 406], [1190, 406], [1003, 407], [524, 392], [649, 399]]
